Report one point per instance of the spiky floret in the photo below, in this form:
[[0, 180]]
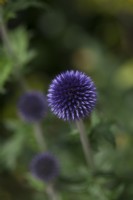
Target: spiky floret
[[72, 95]]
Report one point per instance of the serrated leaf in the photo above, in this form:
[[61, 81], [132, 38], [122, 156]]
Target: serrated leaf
[[12, 7], [35, 183], [101, 134], [14, 147], [6, 68], [23, 128], [95, 119], [11, 150], [19, 39]]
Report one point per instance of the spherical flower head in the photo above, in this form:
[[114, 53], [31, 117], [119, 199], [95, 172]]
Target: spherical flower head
[[45, 167], [72, 95], [32, 106]]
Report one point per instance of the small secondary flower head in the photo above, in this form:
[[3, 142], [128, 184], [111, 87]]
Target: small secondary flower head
[[32, 106], [45, 167], [72, 95]]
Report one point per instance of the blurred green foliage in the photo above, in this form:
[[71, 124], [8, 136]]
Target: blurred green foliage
[[48, 37]]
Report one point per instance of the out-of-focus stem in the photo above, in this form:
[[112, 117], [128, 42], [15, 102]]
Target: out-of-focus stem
[[39, 136], [85, 144], [41, 142], [51, 192], [4, 35]]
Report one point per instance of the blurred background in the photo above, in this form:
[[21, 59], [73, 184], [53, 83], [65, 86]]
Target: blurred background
[[93, 36]]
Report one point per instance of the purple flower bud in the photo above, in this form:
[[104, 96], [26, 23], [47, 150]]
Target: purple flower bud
[[32, 106], [72, 95], [45, 167]]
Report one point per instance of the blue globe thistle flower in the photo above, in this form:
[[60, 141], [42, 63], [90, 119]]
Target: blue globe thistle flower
[[45, 167], [32, 106], [72, 95]]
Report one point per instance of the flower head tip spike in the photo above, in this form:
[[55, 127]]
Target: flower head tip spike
[[45, 167], [32, 106], [72, 95]]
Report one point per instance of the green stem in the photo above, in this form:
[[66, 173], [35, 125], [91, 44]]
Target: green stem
[[41, 142], [39, 136], [85, 144], [51, 192], [4, 35]]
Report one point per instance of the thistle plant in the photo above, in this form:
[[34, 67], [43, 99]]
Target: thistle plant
[[31, 43], [72, 96]]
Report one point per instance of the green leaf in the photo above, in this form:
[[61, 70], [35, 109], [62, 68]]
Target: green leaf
[[35, 183], [24, 129], [15, 146], [102, 133], [95, 119], [6, 68], [11, 150], [12, 7], [19, 39]]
